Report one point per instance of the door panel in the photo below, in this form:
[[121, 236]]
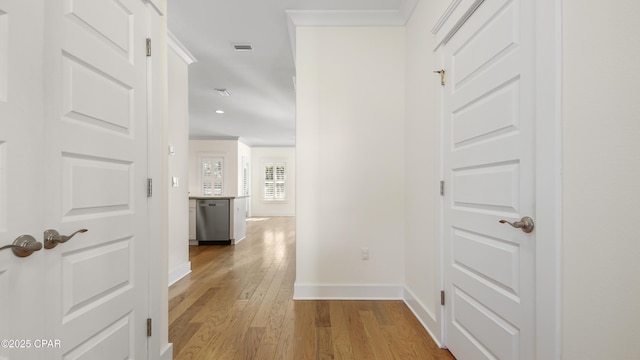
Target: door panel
[[113, 340], [112, 111], [487, 187], [82, 175], [489, 166], [108, 20]]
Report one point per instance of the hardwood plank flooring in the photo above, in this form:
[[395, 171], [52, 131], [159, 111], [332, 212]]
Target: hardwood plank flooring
[[238, 304]]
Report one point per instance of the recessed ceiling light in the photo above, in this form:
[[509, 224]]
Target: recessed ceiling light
[[242, 47], [219, 111], [223, 92]]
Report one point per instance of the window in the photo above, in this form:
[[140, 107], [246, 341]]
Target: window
[[275, 180], [245, 176], [212, 168]]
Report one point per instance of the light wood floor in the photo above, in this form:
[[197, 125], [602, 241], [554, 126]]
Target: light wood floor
[[237, 304]]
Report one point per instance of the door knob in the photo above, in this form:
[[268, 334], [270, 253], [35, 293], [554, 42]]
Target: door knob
[[23, 246], [52, 238], [526, 224]]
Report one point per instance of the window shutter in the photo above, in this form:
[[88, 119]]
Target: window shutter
[[245, 177], [269, 184], [275, 181], [212, 176], [217, 175], [279, 182]]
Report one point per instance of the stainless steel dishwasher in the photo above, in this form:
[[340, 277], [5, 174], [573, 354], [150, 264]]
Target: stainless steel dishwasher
[[212, 221]]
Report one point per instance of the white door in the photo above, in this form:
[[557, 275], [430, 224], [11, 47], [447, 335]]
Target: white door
[[21, 150], [488, 164], [86, 158]]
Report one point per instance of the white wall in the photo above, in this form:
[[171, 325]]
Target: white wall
[[178, 138], [228, 148], [421, 258], [601, 247], [258, 157], [350, 168]]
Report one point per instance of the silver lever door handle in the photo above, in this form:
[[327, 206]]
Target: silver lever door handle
[[526, 224], [23, 246], [52, 238]]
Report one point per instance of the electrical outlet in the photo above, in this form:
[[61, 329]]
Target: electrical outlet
[[365, 253]]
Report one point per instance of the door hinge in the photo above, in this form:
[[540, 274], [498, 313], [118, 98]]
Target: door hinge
[[443, 76], [149, 187], [148, 46], [442, 297], [149, 327], [442, 187]]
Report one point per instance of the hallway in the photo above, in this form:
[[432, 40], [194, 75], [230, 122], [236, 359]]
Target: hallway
[[237, 304]]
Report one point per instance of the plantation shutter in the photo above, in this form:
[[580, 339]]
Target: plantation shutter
[[279, 182], [245, 176], [275, 181], [212, 176]]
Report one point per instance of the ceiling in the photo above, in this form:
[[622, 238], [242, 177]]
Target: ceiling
[[260, 110]]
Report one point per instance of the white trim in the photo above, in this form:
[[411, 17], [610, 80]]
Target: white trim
[[346, 292], [236, 241], [160, 9], [451, 20], [445, 16], [158, 240], [180, 49], [346, 17], [439, 204], [424, 316], [397, 17], [179, 272], [548, 179], [406, 10], [167, 352]]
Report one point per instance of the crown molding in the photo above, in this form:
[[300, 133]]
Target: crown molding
[[215, 137], [180, 49], [398, 17]]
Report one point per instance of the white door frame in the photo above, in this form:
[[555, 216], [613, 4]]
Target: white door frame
[[548, 153], [159, 347], [548, 178]]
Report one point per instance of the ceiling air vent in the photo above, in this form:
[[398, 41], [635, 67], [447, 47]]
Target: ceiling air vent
[[243, 47], [223, 92]]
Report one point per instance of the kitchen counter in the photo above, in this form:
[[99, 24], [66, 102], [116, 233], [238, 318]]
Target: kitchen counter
[[217, 197]]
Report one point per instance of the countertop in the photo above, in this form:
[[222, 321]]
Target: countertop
[[217, 197]]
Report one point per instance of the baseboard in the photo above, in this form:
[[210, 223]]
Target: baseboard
[[346, 292], [426, 317], [236, 241], [179, 272], [167, 353]]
